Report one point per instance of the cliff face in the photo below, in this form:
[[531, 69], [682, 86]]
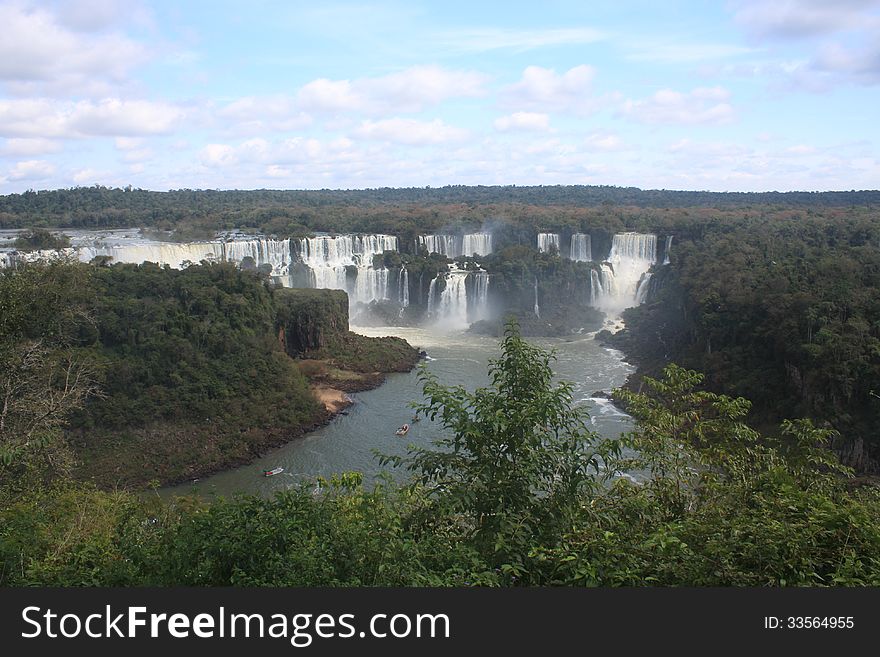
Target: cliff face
[[310, 320]]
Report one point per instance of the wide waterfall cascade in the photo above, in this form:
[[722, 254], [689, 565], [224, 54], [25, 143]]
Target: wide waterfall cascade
[[621, 281], [548, 240], [668, 249], [455, 246], [449, 310], [329, 259], [581, 248], [134, 249]]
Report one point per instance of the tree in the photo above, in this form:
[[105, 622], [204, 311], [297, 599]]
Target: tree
[[43, 379], [520, 460]]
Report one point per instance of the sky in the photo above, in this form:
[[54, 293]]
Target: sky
[[743, 95]]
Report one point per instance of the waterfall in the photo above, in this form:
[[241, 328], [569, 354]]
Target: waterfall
[[450, 310], [476, 244], [668, 248], [454, 246], [537, 307], [480, 305], [442, 244], [581, 248], [432, 294], [330, 258], [547, 240], [622, 281], [642, 289], [136, 250], [403, 288]]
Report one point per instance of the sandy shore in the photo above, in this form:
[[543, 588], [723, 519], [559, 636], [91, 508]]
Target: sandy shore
[[334, 400]]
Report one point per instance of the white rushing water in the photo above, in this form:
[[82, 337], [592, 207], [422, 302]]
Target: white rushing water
[[479, 309], [622, 279], [128, 246], [455, 246], [403, 288], [449, 310], [581, 248], [548, 240], [537, 307], [330, 258], [668, 249]]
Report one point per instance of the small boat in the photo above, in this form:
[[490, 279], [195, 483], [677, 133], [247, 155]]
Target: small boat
[[273, 471], [402, 431]]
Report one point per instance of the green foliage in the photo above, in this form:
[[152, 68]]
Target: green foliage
[[39, 239], [519, 458]]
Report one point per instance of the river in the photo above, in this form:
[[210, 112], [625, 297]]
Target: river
[[349, 442]]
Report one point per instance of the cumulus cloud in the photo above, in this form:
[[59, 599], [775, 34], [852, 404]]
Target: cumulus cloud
[[40, 54], [410, 131], [545, 89], [256, 114], [218, 155], [110, 117], [523, 121], [701, 105], [31, 170], [24, 147], [604, 141], [411, 90]]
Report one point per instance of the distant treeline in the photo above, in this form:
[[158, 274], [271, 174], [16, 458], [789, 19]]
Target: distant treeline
[[295, 211]]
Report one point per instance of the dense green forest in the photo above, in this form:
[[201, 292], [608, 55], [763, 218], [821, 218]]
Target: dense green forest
[[519, 493], [180, 373], [774, 298]]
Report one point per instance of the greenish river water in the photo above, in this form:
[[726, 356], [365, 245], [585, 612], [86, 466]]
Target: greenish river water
[[348, 442]]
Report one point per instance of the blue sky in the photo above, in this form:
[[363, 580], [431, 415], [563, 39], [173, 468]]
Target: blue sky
[[746, 95]]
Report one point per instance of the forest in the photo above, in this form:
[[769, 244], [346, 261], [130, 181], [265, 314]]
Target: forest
[[762, 439]]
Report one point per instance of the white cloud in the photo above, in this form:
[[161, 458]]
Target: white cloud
[[256, 114], [802, 18], [218, 155], [604, 141], [110, 117], [545, 89], [410, 131], [90, 176], [843, 37], [38, 54], [702, 105], [523, 121], [29, 147], [32, 170], [411, 90]]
